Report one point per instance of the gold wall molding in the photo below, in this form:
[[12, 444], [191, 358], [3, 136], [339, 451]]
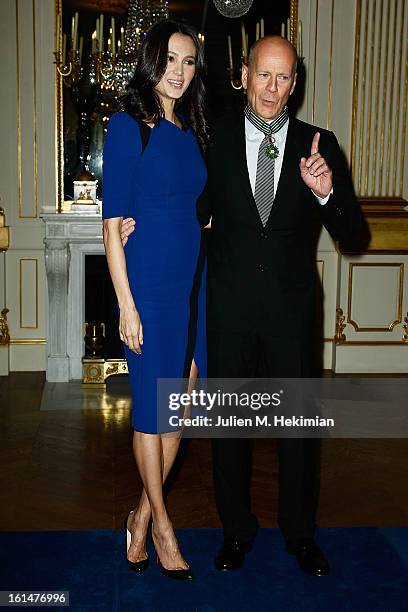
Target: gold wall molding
[[388, 235], [28, 341], [18, 109], [384, 94], [374, 343], [370, 101], [380, 90], [404, 115], [383, 206], [329, 93], [315, 62], [33, 72], [387, 222], [376, 113], [35, 114], [398, 314], [355, 83]]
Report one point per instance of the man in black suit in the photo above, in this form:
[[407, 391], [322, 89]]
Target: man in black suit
[[263, 193], [269, 176]]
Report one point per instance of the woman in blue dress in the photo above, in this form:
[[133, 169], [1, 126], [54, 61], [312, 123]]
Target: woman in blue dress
[[156, 276]]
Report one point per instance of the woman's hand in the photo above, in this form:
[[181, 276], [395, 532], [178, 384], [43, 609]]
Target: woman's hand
[[130, 328], [126, 228]]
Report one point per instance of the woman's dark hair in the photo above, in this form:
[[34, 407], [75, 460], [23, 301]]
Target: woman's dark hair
[[140, 99]]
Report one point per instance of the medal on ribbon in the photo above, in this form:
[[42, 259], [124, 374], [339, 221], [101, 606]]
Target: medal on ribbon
[[271, 151]]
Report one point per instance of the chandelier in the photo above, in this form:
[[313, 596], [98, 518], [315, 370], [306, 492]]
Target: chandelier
[[233, 8], [113, 58], [142, 15]]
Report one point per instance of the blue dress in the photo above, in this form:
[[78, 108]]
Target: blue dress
[[159, 189]]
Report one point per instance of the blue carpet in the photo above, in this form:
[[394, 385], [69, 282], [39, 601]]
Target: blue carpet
[[369, 572]]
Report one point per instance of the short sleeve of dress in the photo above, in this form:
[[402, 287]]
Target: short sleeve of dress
[[121, 150]]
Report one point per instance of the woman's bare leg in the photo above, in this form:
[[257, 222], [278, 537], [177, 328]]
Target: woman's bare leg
[[139, 521]]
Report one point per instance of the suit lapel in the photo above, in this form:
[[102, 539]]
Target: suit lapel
[[289, 171], [241, 166]]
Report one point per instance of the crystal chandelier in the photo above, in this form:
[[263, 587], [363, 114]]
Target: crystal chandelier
[[233, 8], [142, 15], [111, 66]]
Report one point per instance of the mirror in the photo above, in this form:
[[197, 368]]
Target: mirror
[[90, 40]]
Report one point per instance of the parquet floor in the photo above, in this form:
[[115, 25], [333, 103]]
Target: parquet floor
[[74, 469]]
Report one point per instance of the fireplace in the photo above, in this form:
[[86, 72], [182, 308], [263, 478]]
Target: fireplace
[[101, 306], [73, 243]]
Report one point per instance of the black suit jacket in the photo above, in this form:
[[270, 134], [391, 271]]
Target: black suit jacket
[[265, 278]]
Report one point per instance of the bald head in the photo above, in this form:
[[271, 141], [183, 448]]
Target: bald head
[[274, 44], [270, 75]]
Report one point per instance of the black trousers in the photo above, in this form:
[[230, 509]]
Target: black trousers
[[261, 354]]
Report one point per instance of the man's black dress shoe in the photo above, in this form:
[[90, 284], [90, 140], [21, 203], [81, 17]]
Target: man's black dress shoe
[[310, 558], [231, 555]]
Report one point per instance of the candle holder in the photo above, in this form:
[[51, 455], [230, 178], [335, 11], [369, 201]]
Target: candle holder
[[104, 63], [235, 81], [70, 71], [94, 336]]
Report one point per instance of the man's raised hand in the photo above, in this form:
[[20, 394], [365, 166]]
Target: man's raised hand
[[315, 171]]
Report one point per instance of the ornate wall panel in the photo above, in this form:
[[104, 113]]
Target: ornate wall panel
[[379, 122], [25, 178], [25, 284], [374, 301], [369, 281]]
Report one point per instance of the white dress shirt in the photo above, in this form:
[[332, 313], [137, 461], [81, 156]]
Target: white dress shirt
[[253, 139]]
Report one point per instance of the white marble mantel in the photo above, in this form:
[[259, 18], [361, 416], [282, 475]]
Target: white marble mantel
[[68, 239]]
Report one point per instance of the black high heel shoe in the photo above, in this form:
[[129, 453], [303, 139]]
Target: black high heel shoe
[[176, 574], [136, 566]]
